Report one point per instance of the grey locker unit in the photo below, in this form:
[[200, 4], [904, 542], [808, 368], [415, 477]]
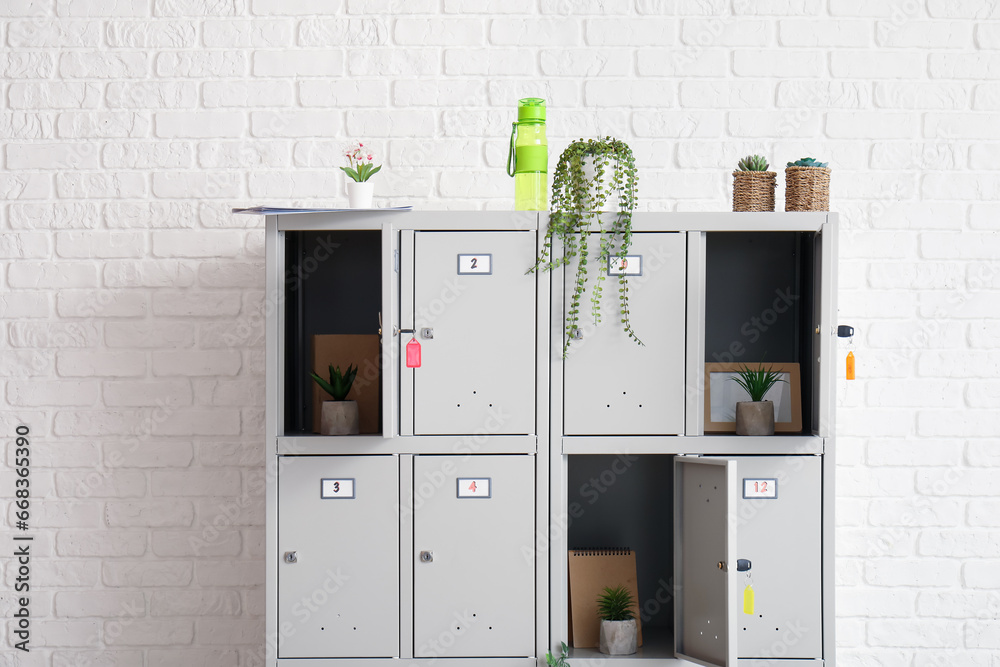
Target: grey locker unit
[[405, 259], [338, 584], [474, 556], [641, 388], [474, 316]]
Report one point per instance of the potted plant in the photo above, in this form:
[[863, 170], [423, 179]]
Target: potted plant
[[360, 167], [577, 202], [807, 185], [756, 416], [753, 185], [339, 416], [619, 633], [561, 661]]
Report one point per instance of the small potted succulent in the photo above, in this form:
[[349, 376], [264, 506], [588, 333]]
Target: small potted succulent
[[753, 185], [807, 185], [360, 167], [561, 661], [619, 632], [756, 416], [339, 416]]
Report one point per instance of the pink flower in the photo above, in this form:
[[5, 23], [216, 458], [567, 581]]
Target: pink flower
[[370, 156]]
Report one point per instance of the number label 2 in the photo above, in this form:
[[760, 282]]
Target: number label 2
[[477, 265], [760, 488]]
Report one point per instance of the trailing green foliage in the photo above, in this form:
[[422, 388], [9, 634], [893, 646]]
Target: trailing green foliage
[[806, 162], [577, 203], [552, 661], [753, 163], [339, 385], [615, 604], [757, 381]]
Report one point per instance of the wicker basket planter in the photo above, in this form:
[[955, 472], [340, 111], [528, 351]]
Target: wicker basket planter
[[807, 189], [753, 190]]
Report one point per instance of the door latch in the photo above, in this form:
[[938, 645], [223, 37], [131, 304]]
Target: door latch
[[426, 556], [291, 557]]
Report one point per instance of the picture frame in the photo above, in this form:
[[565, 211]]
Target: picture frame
[[722, 394]]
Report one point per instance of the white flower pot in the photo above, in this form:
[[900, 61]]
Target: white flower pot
[[339, 418], [619, 637], [359, 195]]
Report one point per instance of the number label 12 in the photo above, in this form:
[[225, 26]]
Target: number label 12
[[760, 488]]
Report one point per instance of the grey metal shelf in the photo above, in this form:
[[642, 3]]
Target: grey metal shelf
[[701, 444]]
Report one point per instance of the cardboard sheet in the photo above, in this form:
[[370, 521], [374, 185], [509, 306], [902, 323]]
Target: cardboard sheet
[[342, 351], [590, 571]]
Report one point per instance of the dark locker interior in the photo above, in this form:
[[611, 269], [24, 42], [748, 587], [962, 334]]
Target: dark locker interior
[[333, 285]]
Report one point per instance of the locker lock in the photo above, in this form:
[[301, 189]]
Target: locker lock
[[427, 333], [291, 557], [426, 556]]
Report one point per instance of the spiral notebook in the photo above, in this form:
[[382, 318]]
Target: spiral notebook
[[590, 570]]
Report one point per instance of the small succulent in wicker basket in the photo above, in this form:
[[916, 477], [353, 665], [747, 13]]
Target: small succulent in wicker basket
[[807, 185], [753, 185]]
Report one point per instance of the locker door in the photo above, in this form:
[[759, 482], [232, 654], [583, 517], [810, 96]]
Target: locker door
[[780, 524], [338, 516], [612, 386], [477, 372], [474, 570], [705, 560]]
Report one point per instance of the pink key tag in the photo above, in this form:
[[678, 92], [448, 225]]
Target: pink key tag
[[413, 354]]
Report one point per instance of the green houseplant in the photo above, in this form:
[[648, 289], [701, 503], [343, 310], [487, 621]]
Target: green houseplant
[[360, 167], [577, 203], [561, 661], [619, 632], [807, 185], [753, 185], [756, 416], [339, 416]]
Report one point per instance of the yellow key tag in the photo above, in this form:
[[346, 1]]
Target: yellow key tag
[[748, 600]]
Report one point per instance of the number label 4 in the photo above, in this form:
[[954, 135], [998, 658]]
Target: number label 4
[[475, 487]]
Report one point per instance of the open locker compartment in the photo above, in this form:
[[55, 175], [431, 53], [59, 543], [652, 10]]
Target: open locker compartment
[[332, 287], [684, 516], [767, 299]]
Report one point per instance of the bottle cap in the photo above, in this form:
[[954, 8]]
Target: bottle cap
[[531, 109]]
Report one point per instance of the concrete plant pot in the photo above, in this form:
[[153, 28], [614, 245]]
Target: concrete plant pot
[[755, 418], [340, 418], [619, 637]]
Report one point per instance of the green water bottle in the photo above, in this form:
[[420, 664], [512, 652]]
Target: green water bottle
[[528, 160]]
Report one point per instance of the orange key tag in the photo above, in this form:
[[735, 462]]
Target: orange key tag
[[850, 365]]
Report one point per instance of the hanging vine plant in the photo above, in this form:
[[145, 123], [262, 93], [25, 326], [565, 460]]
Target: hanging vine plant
[[577, 203]]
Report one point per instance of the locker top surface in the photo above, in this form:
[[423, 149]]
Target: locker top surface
[[531, 220]]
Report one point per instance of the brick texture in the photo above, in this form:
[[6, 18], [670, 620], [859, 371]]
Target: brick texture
[[129, 128]]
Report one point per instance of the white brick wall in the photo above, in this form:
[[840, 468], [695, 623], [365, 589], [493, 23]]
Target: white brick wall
[[130, 128]]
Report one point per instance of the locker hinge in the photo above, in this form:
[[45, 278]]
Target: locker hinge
[[395, 261]]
